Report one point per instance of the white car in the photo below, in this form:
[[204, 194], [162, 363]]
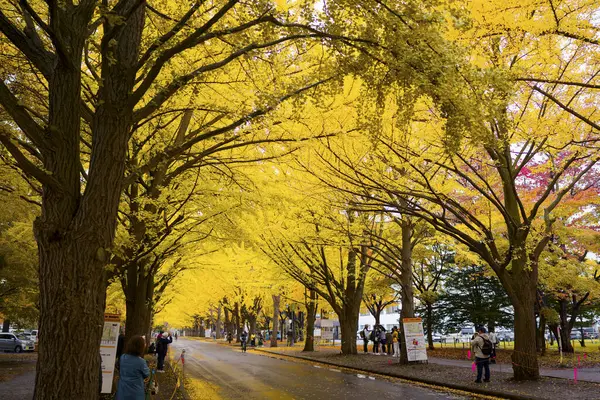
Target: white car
[[11, 342]]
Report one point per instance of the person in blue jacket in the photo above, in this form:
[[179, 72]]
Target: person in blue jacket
[[133, 370]]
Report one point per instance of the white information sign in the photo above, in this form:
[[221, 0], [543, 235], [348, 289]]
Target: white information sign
[[327, 329], [416, 349], [108, 350]]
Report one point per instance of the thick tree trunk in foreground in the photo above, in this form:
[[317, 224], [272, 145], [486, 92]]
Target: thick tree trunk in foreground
[[75, 231], [5, 325], [72, 300], [276, 300], [349, 327], [521, 285], [524, 358], [311, 311]]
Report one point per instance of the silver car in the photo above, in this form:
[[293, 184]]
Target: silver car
[[10, 342]]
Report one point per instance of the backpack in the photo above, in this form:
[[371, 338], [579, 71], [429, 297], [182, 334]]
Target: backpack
[[487, 347], [362, 334], [372, 336]]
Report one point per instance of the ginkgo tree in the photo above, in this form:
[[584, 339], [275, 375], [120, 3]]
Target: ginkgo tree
[[102, 68]]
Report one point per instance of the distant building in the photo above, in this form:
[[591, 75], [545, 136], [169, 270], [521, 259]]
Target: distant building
[[390, 317]]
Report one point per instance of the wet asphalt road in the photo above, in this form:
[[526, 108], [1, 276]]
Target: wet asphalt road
[[222, 372]]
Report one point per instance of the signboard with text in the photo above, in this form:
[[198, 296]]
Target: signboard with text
[[327, 329], [108, 349], [416, 349]]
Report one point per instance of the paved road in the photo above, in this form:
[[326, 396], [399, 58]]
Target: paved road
[[222, 372]]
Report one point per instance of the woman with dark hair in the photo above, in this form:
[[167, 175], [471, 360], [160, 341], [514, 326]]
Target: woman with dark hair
[[133, 371]]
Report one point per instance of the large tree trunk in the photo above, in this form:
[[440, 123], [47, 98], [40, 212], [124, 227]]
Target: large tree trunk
[[311, 311], [524, 357], [349, 327], [566, 326], [5, 325], [408, 303], [521, 285], [276, 300], [139, 296], [75, 232]]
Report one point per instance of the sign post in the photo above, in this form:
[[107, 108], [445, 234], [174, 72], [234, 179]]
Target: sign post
[[327, 329], [415, 339], [108, 349]]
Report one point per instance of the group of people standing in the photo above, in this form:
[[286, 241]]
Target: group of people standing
[[133, 368], [384, 342]]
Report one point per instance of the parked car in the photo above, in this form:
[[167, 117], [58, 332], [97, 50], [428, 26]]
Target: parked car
[[575, 335], [589, 333], [11, 342], [34, 335], [506, 336]]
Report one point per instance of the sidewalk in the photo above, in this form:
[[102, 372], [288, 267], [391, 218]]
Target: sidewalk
[[458, 377], [20, 387], [583, 374]]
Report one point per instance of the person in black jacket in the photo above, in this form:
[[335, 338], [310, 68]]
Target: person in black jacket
[[162, 346]]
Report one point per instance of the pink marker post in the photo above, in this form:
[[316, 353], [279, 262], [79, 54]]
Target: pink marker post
[[473, 366], [469, 354]]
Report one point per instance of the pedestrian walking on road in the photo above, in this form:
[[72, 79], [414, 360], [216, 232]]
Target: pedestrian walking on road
[[162, 347], [396, 341], [364, 334], [175, 335], [482, 349], [244, 339], [133, 370]]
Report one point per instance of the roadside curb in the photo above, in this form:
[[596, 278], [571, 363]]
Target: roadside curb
[[426, 381]]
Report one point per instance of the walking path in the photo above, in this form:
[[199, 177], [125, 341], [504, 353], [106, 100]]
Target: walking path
[[18, 388], [583, 374]]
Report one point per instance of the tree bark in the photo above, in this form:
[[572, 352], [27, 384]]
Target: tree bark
[[429, 314], [521, 285], [349, 327], [276, 300], [5, 325], [408, 304], [219, 323], [75, 232], [139, 297], [236, 317], [311, 311], [540, 334]]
